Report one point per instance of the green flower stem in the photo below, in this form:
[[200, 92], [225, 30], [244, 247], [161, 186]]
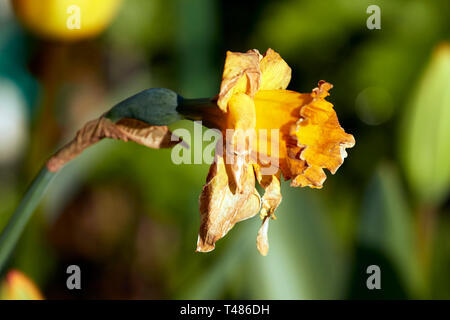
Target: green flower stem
[[161, 107], [16, 224], [205, 109]]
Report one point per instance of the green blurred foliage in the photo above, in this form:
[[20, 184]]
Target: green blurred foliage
[[387, 205], [386, 225], [425, 143]]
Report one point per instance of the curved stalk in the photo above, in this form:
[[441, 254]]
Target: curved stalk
[[156, 107], [11, 233]]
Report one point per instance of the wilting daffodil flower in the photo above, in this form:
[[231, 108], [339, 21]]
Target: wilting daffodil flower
[[253, 95], [302, 138]]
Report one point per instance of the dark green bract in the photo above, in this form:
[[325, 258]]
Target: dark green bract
[[157, 106]]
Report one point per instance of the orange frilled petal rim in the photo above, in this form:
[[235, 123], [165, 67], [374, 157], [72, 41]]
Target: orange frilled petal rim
[[310, 136], [320, 141]]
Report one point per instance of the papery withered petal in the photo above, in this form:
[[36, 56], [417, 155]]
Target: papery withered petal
[[239, 169], [320, 140], [272, 191], [250, 208], [275, 72], [262, 239], [241, 73], [269, 203], [98, 129], [222, 205]]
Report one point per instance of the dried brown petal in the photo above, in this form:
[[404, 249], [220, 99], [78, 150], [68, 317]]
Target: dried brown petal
[[262, 239], [222, 204], [275, 72], [241, 73], [272, 195], [269, 203]]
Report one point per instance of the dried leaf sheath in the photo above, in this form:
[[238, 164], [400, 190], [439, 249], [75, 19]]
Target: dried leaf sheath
[[125, 129]]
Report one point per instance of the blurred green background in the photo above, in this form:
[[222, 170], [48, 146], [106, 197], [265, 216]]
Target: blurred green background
[[129, 217]]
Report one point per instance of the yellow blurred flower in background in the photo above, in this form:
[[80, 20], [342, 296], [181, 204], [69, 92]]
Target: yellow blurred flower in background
[[17, 286], [54, 18], [253, 96]]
